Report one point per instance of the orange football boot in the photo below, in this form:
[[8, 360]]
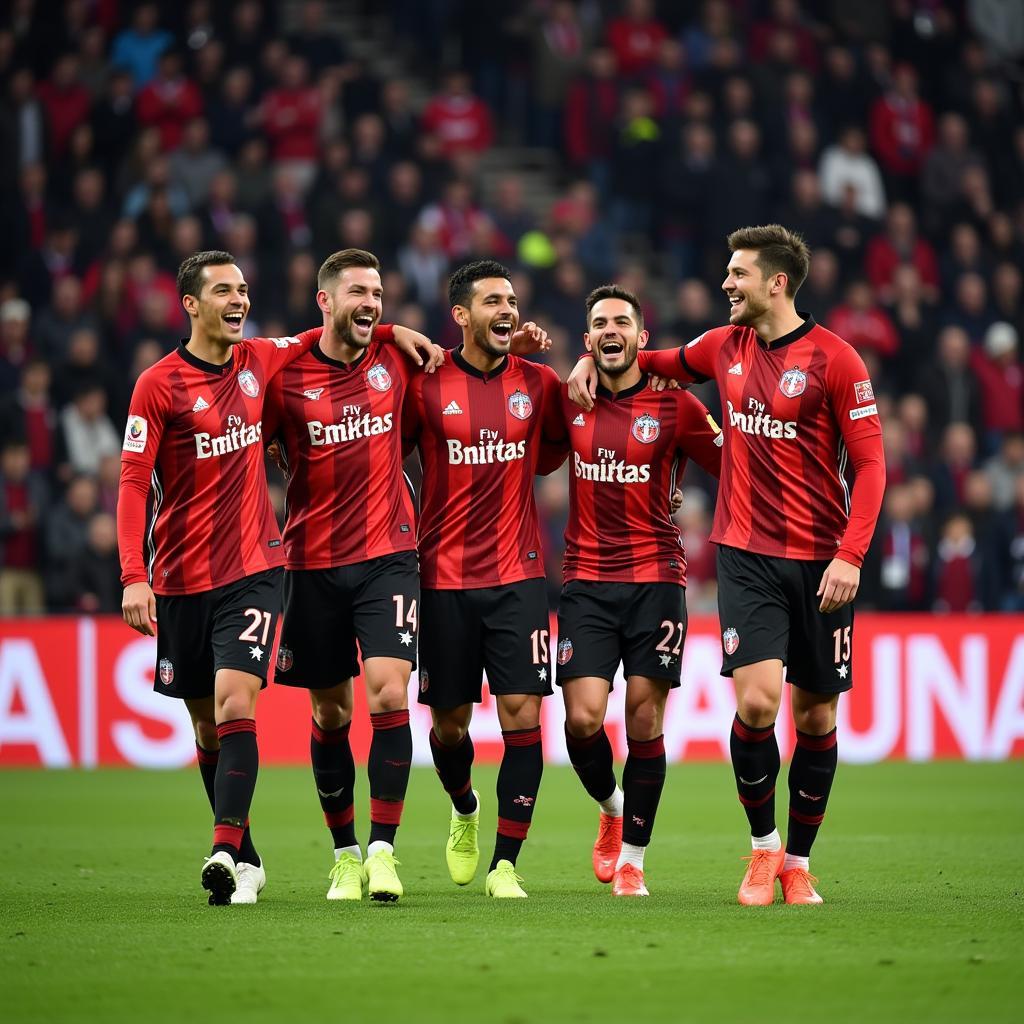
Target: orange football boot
[[758, 886], [798, 886], [607, 846], [629, 881]]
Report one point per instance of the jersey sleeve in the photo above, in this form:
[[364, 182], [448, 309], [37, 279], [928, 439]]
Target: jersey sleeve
[[694, 363], [143, 433], [273, 409], [700, 437], [554, 446], [276, 353], [853, 401]]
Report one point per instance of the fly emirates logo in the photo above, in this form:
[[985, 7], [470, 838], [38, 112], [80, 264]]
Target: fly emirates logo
[[355, 425], [491, 447], [757, 421], [610, 470], [238, 435]]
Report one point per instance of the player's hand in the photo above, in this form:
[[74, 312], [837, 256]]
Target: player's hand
[[138, 606], [656, 383], [583, 383], [276, 456], [675, 502], [529, 340], [419, 348], [838, 585]]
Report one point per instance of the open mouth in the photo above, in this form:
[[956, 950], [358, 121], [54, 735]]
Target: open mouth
[[612, 348], [234, 320], [364, 321], [735, 301], [502, 329]]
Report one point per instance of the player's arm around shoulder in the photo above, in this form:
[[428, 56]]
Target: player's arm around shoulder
[[700, 438], [416, 347], [555, 424], [274, 354]]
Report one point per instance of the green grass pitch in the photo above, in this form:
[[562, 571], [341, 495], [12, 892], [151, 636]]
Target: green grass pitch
[[102, 917]]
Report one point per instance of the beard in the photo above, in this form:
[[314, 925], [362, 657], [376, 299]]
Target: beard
[[482, 339], [754, 309], [343, 330]]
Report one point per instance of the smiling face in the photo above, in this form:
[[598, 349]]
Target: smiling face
[[492, 315], [615, 336], [354, 304], [747, 289], [222, 304]]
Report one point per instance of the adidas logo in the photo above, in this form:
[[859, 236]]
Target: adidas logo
[[579, 421], [736, 369], [452, 409], [313, 393], [201, 404]]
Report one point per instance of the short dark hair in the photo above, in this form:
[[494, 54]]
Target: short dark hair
[[190, 273], [779, 251], [615, 291], [460, 284], [339, 261]]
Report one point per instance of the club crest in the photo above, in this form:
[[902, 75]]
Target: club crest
[[793, 382], [520, 404], [378, 377], [564, 651], [730, 640], [646, 428], [166, 671], [248, 383], [863, 391], [285, 659]]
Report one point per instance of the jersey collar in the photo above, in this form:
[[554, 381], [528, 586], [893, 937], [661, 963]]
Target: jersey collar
[[463, 364], [788, 339], [618, 396], [220, 369], [323, 357]]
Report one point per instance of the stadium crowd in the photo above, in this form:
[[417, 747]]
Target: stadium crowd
[[890, 134]]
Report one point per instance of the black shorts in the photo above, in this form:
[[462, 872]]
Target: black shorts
[[327, 610], [503, 631], [768, 608], [643, 625], [230, 627]]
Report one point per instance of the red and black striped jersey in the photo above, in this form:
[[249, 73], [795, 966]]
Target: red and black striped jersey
[[480, 437], [628, 453], [793, 412], [195, 434], [341, 427]]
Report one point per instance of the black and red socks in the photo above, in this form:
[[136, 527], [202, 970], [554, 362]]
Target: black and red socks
[[388, 770], [334, 772], [234, 784], [518, 782], [591, 759], [453, 766], [810, 781], [755, 763]]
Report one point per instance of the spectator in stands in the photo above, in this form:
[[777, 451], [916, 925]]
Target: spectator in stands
[[998, 369], [95, 570], [24, 498], [67, 531], [458, 119], [914, 320], [957, 568], [169, 101], [949, 385], [138, 49], [67, 102], [28, 415], [634, 38], [87, 430], [195, 163], [15, 348], [56, 323], [558, 47], [1006, 471], [591, 106], [969, 308], [899, 244], [846, 164], [957, 453], [290, 116], [687, 181], [944, 168], [862, 322], [113, 121], [902, 132], [902, 554]]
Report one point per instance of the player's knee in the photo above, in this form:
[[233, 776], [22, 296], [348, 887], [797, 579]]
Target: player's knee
[[329, 714], [206, 734], [582, 721], [757, 708], [391, 695], [237, 704], [450, 732], [815, 720], [643, 722]]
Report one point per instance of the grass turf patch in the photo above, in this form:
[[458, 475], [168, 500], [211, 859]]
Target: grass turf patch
[[102, 916]]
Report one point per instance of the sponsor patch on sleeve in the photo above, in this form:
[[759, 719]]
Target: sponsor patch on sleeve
[[863, 391], [135, 434], [284, 342], [867, 410], [696, 341]]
